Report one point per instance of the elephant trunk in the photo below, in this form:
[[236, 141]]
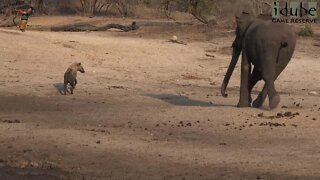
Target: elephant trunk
[[234, 60]]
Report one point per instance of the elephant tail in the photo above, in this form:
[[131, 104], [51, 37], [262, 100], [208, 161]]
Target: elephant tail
[[282, 45]]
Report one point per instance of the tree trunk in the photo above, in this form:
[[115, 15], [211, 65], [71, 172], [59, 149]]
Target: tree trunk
[[8, 8], [40, 5], [88, 7], [193, 8]]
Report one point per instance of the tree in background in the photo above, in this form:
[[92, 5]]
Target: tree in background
[[7, 7], [40, 6], [88, 7], [202, 10]]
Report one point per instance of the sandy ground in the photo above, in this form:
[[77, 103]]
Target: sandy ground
[[150, 109]]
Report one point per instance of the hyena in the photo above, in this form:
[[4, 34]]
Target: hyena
[[70, 76]]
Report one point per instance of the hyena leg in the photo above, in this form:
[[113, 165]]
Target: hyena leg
[[65, 87], [75, 83], [72, 86]]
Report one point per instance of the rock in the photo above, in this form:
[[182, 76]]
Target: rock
[[287, 114], [279, 115], [313, 93], [227, 124], [260, 115], [174, 38]]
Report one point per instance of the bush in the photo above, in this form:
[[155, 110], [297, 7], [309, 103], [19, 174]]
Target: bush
[[306, 31]]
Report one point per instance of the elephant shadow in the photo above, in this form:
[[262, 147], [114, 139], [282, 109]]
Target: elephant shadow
[[59, 87], [180, 100]]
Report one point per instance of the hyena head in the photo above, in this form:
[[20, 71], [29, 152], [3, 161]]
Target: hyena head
[[80, 68]]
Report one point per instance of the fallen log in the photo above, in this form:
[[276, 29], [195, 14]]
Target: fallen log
[[88, 27]]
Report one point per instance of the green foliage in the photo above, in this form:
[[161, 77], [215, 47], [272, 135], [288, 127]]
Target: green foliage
[[207, 7], [306, 31]]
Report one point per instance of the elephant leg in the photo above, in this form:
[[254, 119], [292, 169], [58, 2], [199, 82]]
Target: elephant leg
[[254, 78], [244, 100], [274, 97], [269, 64], [257, 103]]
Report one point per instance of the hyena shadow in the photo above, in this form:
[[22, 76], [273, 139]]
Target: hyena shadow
[[59, 87]]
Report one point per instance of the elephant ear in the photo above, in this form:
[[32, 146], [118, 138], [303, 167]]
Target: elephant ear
[[242, 16], [243, 21], [264, 17]]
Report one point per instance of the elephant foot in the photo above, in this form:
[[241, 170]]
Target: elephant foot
[[257, 103], [274, 101], [242, 104]]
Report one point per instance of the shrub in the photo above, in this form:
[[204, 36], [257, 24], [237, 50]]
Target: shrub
[[306, 31]]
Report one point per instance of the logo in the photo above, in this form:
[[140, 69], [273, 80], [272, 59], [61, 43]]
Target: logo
[[294, 12]]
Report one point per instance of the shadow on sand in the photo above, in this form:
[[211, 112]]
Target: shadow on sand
[[59, 87], [179, 100]]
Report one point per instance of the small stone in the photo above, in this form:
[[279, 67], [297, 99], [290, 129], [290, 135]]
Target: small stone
[[279, 115], [174, 38], [313, 93], [227, 124], [287, 114]]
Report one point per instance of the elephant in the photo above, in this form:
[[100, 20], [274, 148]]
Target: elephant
[[266, 46]]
